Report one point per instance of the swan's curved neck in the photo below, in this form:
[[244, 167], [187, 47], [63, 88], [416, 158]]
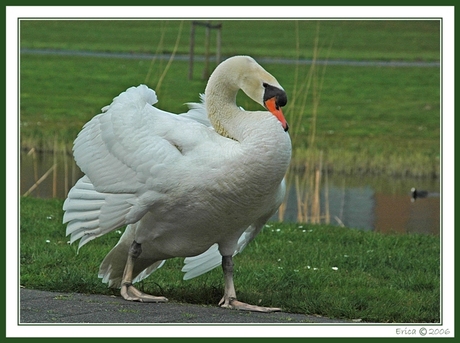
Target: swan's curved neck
[[264, 143], [221, 107], [223, 113]]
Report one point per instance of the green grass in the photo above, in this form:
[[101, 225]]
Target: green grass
[[311, 269], [369, 119], [414, 40], [389, 126]]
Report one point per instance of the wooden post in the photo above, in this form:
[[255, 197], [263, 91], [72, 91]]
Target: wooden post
[[66, 174], [208, 27], [192, 51], [206, 51], [219, 43], [55, 168], [40, 180]]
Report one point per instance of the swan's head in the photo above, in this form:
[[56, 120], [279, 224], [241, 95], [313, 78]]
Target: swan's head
[[262, 87], [246, 74]]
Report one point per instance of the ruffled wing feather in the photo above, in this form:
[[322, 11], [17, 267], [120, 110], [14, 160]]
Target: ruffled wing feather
[[127, 153]]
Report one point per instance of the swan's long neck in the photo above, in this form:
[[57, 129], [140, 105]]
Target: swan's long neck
[[264, 143], [223, 113]]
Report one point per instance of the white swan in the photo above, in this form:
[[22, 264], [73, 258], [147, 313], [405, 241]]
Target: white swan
[[199, 185]]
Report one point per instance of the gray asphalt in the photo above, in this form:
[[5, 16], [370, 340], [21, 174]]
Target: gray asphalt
[[277, 60], [39, 307]]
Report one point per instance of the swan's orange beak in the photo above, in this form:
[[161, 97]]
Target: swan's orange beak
[[271, 105]]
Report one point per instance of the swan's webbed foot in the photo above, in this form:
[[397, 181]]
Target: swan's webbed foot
[[229, 298], [131, 293], [234, 304]]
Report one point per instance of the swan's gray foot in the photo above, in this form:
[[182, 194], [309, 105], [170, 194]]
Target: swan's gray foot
[[241, 306], [128, 291], [131, 293]]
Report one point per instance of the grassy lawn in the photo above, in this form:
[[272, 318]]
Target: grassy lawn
[[391, 125], [312, 269]]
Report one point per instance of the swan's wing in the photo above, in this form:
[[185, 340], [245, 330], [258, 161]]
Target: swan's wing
[[117, 149], [211, 258], [125, 153]]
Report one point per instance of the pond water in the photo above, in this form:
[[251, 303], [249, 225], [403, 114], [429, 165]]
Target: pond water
[[381, 204]]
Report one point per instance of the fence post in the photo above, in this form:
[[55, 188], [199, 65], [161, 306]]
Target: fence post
[[192, 48], [219, 43], [206, 50], [208, 27]]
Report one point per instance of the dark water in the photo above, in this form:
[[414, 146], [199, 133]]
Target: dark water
[[381, 204]]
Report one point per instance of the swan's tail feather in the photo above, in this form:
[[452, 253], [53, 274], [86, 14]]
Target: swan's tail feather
[[211, 258], [198, 265], [147, 271]]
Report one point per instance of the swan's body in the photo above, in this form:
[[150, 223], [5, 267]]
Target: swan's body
[[187, 187]]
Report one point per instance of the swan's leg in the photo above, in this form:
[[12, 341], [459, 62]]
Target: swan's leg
[[128, 291], [229, 298]]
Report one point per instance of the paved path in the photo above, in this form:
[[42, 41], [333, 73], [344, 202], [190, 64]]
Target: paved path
[[274, 60], [53, 307]]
